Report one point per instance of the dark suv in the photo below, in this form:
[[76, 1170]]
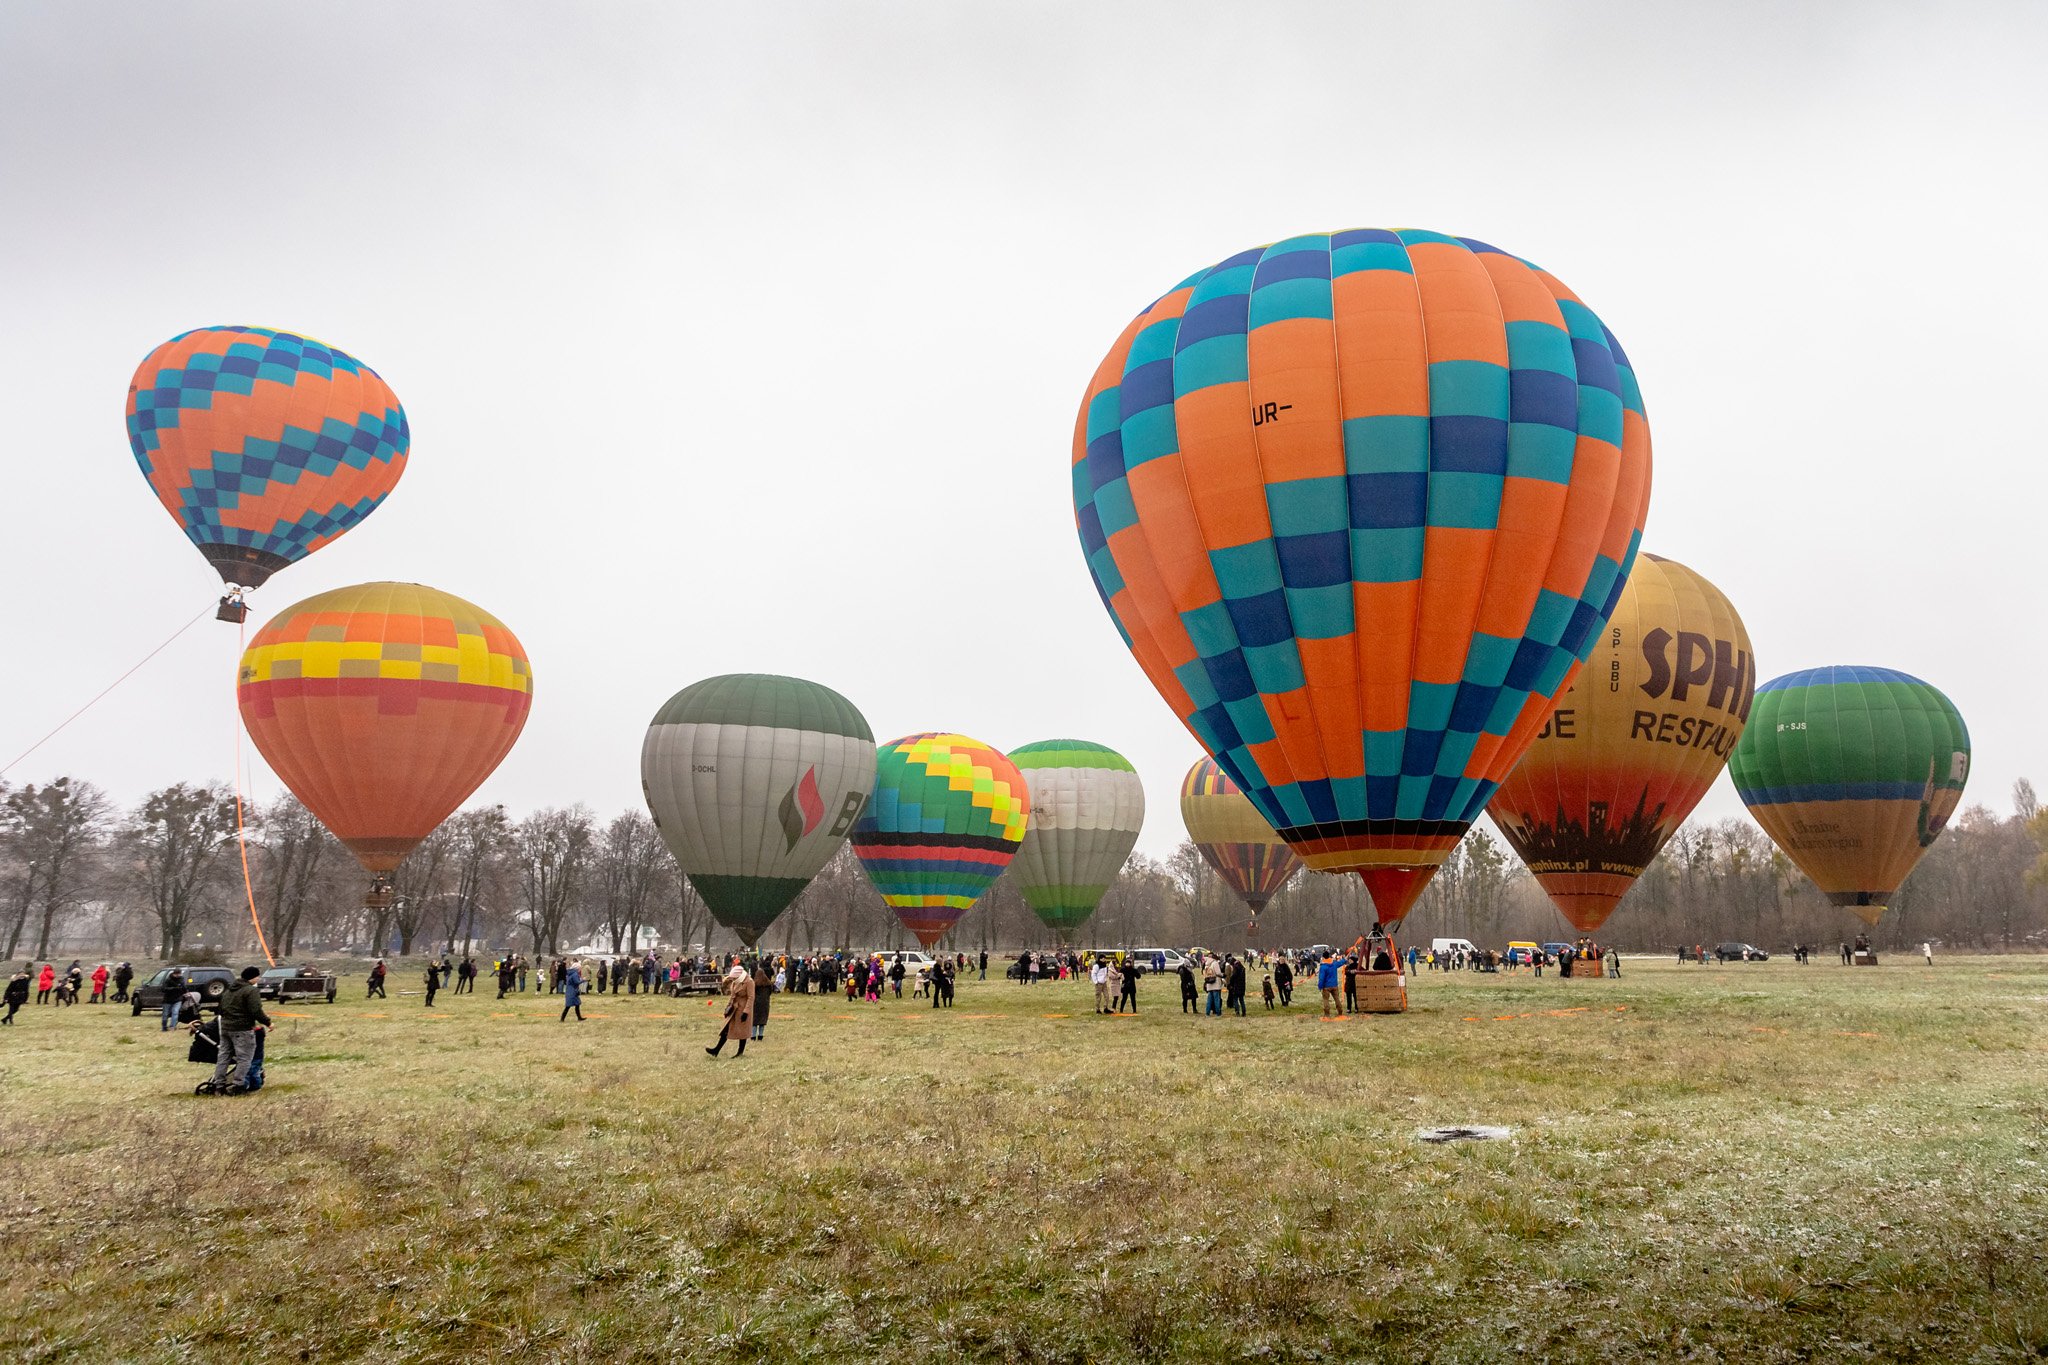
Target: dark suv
[[211, 983], [1741, 952]]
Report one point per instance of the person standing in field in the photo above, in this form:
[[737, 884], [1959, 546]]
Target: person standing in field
[[1212, 986], [99, 985], [241, 1014], [1128, 995], [433, 982], [46, 982], [123, 974], [1236, 980], [1099, 974], [174, 988], [1283, 980], [572, 991], [1329, 980], [17, 994], [764, 996], [739, 1012], [376, 986], [1187, 988]]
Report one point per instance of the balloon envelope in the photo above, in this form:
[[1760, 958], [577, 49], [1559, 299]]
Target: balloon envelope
[[1359, 503], [1087, 807], [383, 706], [263, 445], [754, 781], [1635, 743], [1233, 837], [947, 816], [1854, 772]]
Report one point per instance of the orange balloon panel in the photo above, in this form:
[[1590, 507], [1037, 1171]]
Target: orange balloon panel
[[1633, 746], [383, 706]]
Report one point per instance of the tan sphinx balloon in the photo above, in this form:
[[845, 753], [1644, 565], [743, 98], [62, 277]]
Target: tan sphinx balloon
[[1633, 746]]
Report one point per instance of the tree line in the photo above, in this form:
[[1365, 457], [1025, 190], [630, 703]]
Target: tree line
[[166, 878]]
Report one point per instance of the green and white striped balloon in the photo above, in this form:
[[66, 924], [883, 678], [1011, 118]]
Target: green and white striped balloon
[[1087, 806]]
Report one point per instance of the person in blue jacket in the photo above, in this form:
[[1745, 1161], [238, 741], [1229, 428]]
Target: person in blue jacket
[[572, 991], [1329, 980]]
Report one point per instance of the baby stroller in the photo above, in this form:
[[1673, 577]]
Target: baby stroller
[[205, 1050]]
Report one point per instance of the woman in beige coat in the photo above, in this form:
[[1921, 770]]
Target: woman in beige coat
[[739, 1012]]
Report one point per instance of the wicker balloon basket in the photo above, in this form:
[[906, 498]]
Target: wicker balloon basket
[[1382, 993]]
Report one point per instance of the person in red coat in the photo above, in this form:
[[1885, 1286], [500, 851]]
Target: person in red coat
[[99, 984], [46, 983]]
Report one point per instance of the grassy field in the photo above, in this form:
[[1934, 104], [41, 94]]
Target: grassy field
[[1746, 1163]]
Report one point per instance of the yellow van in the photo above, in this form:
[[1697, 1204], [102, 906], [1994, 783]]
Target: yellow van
[[1521, 952]]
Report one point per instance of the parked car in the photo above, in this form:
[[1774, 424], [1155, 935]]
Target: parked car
[[1157, 959], [211, 983], [1741, 952], [1521, 952], [296, 983], [1554, 951]]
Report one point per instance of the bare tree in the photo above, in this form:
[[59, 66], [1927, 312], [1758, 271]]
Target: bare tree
[[554, 849], [626, 873], [177, 835], [478, 839], [296, 849], [53, 831], [419, 880]]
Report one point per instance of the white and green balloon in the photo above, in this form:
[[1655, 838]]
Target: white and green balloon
[[1087, 806], [754, 781]]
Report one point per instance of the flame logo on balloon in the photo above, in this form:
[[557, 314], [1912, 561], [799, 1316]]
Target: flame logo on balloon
[[802, 808]]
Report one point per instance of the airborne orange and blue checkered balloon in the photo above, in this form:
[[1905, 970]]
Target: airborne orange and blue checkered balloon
[[263, 445], [1359, 503]]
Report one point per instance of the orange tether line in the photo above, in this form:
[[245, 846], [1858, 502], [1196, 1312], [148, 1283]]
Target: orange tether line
[[241, 838], [103, 692]]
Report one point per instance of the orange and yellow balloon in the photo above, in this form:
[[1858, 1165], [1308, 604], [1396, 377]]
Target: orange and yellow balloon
[[383, 706], [1635, 743]]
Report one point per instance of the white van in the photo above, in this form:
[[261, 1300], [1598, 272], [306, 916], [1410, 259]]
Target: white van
[[1443, 946], [1156, 959]]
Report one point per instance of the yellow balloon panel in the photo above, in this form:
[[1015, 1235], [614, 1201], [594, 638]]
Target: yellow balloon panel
[[1633, 746]]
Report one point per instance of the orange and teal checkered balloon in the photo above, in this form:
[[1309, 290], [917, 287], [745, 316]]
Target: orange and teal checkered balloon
[[263, 445]]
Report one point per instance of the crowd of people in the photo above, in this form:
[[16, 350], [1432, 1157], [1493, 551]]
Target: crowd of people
[[54, 988]]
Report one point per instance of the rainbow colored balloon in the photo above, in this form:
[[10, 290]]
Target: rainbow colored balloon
[[946, 817], [262, 445], [1359, 503]]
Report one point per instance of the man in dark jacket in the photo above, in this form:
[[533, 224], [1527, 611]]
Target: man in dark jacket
[[241, 1011], [1283, 980], [17, 994], [123, 974]]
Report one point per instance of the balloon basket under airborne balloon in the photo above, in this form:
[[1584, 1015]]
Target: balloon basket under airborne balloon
[[232, 608]]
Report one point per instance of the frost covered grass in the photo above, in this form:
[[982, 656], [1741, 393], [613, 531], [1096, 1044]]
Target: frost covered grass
[[1758, 1163]]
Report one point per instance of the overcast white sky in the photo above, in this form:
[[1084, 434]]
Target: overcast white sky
[[750, 336]]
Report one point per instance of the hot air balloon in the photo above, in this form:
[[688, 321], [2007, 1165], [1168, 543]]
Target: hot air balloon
[[1635, 743], [1359, 504], [1233, 837], [754, 781], [1087, 806], [263, 445], [947, 816], [1854, 772], [383, 706]]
